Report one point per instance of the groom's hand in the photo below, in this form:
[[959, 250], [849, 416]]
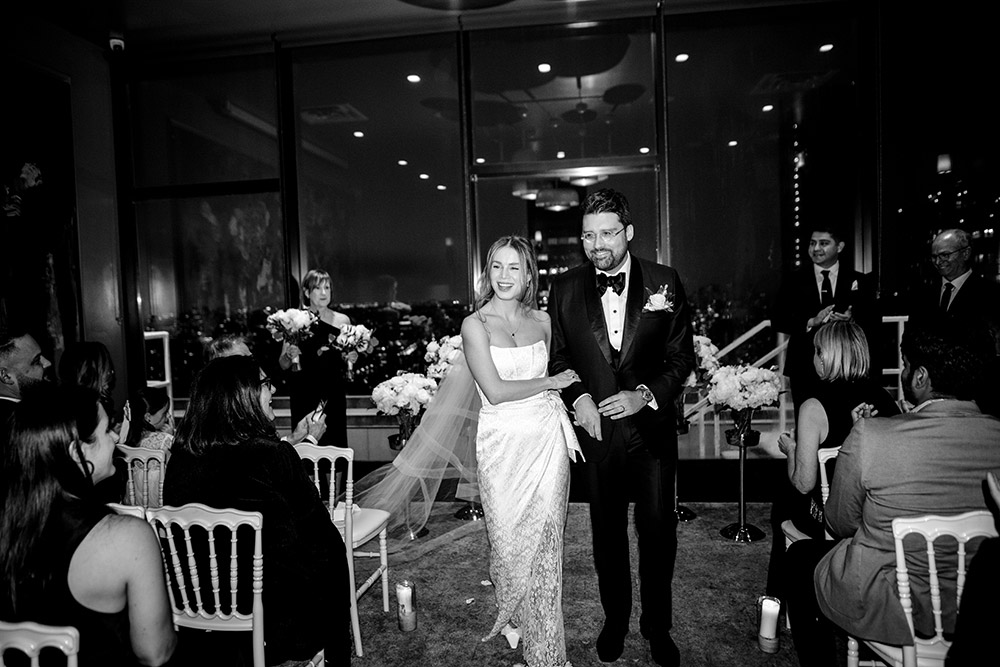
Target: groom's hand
[[623, 404], [588, 416]]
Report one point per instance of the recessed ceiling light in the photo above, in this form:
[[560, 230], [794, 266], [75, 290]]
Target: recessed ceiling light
[[732, 143], [767, 107], [480, 160], [442, 187], [544, 68], [402, 163], [826, 48], [681, 58], [359, 134], [413, 78], [560, 155], [424, 177], [644, 150]]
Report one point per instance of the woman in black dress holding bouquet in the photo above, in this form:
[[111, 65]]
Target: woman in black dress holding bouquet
[[315, 369]]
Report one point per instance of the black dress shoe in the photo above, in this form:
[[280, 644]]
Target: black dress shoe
[[610, 643], [664, 651]]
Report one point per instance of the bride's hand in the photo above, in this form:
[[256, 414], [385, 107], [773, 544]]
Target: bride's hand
[[564, 379]]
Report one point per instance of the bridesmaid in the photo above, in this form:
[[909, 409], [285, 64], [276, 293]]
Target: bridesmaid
[[322, 378]]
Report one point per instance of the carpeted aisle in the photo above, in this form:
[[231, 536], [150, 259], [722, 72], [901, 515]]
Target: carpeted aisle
[[716, 585]]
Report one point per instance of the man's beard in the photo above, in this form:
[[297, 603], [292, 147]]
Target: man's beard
[[27, 383], [609, 261]]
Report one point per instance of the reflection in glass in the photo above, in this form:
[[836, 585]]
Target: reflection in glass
[[382, 213], [555, 234], [210, 266], [562, 93], [764, 142], [211, 123]]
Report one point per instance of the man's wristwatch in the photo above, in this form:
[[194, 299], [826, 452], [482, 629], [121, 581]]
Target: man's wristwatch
[[646, 394]]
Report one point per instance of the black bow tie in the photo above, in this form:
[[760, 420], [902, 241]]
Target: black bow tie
[[615, 282]]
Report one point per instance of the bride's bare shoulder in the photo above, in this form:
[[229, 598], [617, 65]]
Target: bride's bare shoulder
[[540, 316]]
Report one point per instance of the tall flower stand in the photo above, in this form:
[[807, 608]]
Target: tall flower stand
[[742, 436], [683, 513]]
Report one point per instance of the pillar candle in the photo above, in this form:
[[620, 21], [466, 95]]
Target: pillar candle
[[769, 617]]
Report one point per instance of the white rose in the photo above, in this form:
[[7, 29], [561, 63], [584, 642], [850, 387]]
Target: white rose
[[657, 301]]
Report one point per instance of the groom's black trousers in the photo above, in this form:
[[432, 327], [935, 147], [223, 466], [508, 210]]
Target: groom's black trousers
[[629, 474]]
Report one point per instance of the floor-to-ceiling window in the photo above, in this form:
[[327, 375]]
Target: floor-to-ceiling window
[[764, 141], [730, 133], [208, 208]]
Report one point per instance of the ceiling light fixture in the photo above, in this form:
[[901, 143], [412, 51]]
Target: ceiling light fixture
[[557, 199], [413, 78], [585, 181]]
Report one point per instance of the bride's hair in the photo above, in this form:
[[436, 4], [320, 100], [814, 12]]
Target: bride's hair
[[529, 264]]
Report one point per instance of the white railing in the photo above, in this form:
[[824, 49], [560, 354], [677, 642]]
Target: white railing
[[698, 409]]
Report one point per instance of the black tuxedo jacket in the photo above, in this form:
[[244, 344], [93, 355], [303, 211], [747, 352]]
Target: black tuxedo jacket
[[798, 300], [657, 350]]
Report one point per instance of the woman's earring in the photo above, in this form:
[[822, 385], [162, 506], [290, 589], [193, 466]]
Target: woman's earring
[[89, 465]]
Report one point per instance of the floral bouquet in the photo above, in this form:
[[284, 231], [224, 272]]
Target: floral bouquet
[[708, 362], [404, 396], [353, 340], [441, 354], [743, 389], [292, 325]]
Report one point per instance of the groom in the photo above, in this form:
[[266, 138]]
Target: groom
[[623, 325]]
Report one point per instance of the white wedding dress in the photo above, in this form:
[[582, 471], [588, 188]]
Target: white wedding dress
[[523, 449]]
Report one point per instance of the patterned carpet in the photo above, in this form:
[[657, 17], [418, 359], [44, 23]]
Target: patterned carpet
[[716, 585]]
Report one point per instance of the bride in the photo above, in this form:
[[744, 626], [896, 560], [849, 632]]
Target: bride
[[523, 448]]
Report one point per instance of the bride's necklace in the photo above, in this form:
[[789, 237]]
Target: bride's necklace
[[507, 323]]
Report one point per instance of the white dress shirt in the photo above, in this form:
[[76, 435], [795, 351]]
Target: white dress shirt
[[834, 272], [956, 285], [614, 305]]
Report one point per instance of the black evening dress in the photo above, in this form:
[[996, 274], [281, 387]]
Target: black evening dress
[[104, 637], [323, 377], [804, 509]]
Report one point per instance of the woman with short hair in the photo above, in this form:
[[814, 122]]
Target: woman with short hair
[[322, 378]]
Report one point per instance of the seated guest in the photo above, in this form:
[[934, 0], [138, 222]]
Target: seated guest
[[89, 364], [22, 366], [228, 345], [840, 358], [930, 460], [227, 454], [975, 628], [65, 558], [156, 428], [841, 361]]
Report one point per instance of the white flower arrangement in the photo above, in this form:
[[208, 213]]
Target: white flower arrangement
[[404, 394], [708, 362], [659, 300], [353, 340], [292, 325], [441, 354], [743, 387]]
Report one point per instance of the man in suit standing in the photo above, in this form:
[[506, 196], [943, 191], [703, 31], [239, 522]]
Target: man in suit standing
[[964, 297], [814, 295], [623, 324]]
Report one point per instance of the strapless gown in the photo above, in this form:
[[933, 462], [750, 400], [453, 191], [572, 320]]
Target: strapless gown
[[523, 449]]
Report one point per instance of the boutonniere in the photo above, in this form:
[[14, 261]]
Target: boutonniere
[[659, 300], [854, 286]]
